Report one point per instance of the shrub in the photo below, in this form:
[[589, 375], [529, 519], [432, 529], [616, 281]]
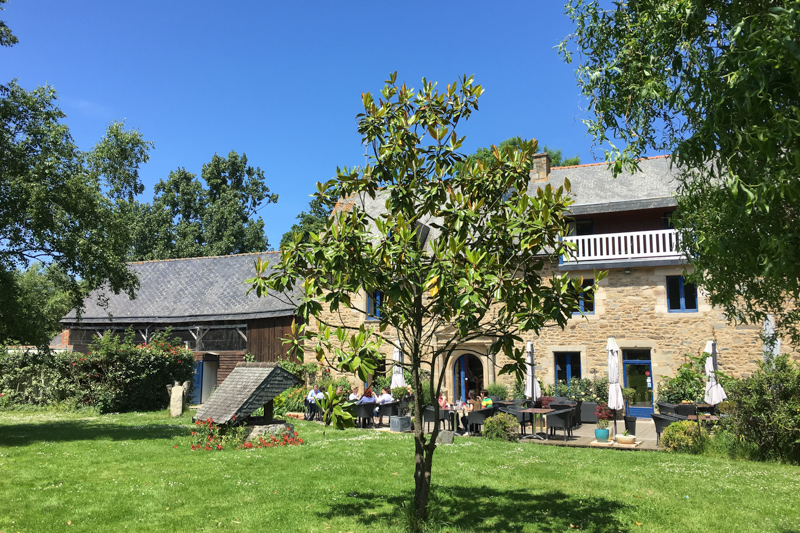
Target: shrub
[[116, 375], [689, 384], [291, 401], [767, 409], [684, 436], [498, 389], [601, 390], [518, 391], [501, 426], [305, 371]]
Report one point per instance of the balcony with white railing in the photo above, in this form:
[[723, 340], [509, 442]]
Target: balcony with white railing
[[635, 245]]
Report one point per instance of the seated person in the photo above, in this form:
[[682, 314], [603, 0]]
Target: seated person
[[385, 397], [486, 402], [354, 397], [473, 404], [367, 398], [311, 402], [443, 400]]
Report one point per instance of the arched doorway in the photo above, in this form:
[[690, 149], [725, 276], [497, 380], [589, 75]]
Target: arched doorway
[[467, 376]]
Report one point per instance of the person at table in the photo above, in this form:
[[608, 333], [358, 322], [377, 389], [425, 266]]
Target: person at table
[[443, 400], [486, 402], [367, 398], [311, 402], [473, 404], [385, 397], [354, 397]]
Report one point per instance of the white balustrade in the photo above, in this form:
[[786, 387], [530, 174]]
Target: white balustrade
[[620, 246]]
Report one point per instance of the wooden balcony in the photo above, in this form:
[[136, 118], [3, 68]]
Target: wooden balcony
[[658, 244]]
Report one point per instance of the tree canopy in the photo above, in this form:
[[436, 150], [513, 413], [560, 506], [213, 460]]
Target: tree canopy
[[311, 221], [193, 218], [454, 256], [714, 83], [59, 205], [557, 158]]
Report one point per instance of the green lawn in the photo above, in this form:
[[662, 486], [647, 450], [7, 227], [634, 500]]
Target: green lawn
[[67, 472]]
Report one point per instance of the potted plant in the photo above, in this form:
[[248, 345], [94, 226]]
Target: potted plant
[[401, 423], [603, 414], [629, 395], [626, 438]]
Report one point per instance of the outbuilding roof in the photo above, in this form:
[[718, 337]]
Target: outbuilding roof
[[248, 387], [192, 290]]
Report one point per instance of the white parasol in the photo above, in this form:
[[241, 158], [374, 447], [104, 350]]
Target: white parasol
[[398, 379], [714, 391], [532, 389], [772, 344], [614, 390]]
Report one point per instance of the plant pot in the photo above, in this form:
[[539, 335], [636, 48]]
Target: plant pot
[[630, 424], [626, 439], [601, 435], [400, 424]]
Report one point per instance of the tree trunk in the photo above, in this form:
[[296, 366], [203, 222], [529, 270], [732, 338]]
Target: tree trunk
[[423, 451]]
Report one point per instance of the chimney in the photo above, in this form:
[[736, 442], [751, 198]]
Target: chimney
[[541, 167]]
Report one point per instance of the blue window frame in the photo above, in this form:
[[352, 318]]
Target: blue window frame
[[374, 305], [681, 296], [586, 298]]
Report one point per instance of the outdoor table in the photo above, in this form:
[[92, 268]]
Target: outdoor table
[[453, 417], [533, 411], [704, 418], [704, 407]]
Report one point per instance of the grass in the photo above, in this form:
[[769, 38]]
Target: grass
[[73, 472]]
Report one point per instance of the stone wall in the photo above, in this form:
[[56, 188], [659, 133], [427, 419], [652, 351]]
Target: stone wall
[[632, 308]]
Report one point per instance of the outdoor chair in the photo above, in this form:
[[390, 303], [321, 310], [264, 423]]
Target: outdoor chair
[[559, 399], [560, 419], [364, 413], [665, 408], [563, 406], [388, 409], [685, 409], [661, 422], [477, 418], [521, 417], [495, 399], [429, 416], [576, 414], [522, 403]]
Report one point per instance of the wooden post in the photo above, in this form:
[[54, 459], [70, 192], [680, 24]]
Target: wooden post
[[269, 411]]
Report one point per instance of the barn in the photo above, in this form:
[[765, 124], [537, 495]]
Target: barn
[[205, 302]]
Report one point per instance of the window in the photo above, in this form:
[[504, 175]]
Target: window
[[580, 227], [586, 298], [374, 305], [681, 296], [568, 366]]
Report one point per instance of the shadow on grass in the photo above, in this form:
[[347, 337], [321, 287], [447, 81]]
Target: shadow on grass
[[80, 430], [481, 509]]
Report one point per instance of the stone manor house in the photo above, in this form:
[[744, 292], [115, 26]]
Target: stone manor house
[[620, 225]]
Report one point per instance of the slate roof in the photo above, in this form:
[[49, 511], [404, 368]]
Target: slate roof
[[247, 388], [182, 291], [597, 191]]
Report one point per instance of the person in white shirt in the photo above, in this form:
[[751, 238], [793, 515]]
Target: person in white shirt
[[385, 397], [354, 397], [311, 402]]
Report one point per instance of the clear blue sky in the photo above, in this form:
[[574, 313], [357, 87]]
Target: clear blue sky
[[281, 81]]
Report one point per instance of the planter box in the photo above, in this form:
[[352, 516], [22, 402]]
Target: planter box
[[587, 412], [400, 424]]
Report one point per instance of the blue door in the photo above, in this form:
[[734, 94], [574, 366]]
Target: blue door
[[638, 373], [197, 383]]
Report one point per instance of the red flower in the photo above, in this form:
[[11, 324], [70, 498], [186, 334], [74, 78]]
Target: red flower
[[175, 446], [646, 372]]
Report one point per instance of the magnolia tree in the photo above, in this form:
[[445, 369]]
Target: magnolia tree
[[456, 256]]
